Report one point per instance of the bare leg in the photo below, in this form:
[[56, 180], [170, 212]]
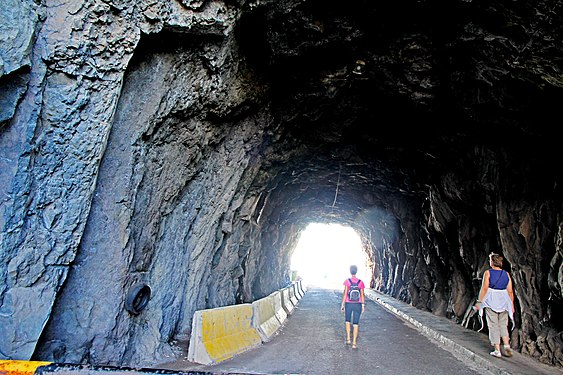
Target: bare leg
[[347, 332], [355, 337], [507, 349]]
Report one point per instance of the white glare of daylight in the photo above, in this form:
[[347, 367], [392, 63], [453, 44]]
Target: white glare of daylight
[[324, 254]]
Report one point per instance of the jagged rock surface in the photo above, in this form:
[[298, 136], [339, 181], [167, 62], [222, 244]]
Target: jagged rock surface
[[186, 144]]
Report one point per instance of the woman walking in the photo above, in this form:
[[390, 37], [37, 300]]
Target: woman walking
[[353, 304], [496, 298]]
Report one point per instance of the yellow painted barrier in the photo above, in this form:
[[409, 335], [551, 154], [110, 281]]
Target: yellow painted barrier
[[221, 333], [9, 367]]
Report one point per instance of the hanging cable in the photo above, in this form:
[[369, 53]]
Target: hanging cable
[[337, 185]]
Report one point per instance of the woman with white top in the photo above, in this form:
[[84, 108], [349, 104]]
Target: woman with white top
[[496, 298]]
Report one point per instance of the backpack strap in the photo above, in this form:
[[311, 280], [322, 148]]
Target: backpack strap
[[352, 283], [498, 278]]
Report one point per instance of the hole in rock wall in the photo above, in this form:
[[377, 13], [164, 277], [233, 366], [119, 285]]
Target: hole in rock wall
[[324, 253]]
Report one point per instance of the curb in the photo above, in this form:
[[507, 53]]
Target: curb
[[447, 343]]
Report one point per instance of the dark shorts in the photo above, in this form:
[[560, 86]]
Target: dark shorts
[[353, 310]]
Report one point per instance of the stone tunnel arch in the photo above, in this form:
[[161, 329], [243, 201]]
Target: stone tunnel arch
[[192, 167]]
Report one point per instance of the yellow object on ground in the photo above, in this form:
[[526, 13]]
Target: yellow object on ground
[[8, 367]]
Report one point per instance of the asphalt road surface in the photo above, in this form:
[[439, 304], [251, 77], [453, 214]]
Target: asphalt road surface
[[312, 342]]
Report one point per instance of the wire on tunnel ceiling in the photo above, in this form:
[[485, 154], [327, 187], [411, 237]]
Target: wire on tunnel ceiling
[[337, 184]]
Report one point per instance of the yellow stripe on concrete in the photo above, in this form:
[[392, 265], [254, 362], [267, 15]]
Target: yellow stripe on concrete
[[221, 333], [228, 331], [20, 367]]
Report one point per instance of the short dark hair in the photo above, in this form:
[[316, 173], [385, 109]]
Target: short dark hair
[[496, 259], [353, 269]]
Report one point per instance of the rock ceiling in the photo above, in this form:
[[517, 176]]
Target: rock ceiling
[[393, 96], [185, 144]]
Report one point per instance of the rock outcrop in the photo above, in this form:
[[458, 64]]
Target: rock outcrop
[[185, 145]]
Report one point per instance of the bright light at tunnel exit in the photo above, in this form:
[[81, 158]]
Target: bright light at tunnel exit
[[324, 254]]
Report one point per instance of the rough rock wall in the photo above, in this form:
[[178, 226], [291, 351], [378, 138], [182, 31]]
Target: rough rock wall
[[488, 207], [180, 145], [158, 169], [55, 136], [169, 188], [529, 229]]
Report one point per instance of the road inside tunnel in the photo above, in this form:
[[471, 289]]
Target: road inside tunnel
[[312, 342], [186, 148]]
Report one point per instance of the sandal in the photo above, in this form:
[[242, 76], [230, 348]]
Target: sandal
[[348, 342], [507, 351], [354, 346]]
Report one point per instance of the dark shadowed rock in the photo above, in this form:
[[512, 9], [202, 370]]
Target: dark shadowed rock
[[186, 145]]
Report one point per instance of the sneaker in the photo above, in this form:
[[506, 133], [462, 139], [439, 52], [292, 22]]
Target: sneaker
[[507, 351], [496, 353]]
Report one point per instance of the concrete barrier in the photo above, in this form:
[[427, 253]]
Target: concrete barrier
[[217, 334], [300, 286], [303, 288], [279, 309], [221, 333], [292, 296], [264, 318], [287, 305], [297, 290]]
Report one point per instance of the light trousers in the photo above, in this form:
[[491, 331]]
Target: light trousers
[[497, 323]]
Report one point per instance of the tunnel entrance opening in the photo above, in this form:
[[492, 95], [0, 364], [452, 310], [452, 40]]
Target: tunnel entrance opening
[[324, 253]]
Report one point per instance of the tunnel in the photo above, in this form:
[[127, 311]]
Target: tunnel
[[159, 158]]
